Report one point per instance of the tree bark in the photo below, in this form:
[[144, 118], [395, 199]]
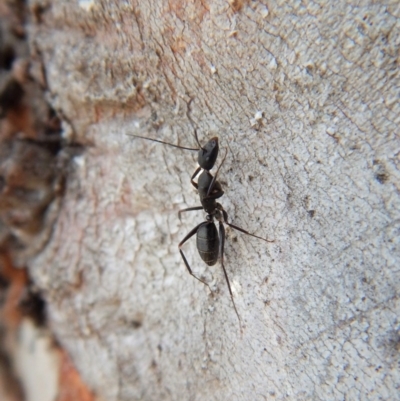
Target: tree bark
[[304, 97]]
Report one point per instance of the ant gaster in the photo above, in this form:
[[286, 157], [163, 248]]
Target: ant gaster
[[210, 241]]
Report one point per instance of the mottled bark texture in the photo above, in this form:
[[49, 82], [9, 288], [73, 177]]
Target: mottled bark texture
[[305, 98]]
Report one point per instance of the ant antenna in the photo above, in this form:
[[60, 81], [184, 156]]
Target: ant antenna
[[165, 143], [197, 139]]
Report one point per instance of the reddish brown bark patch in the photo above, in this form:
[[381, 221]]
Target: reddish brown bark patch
[[71, 385]]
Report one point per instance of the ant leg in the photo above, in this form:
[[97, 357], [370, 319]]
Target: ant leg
[[215, 195], [190, 235], [193, 176], [215, 178], [238, 228], [188, 210], [221, 252]]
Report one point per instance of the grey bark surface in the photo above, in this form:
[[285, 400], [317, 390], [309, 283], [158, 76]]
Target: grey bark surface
[[305, 97]]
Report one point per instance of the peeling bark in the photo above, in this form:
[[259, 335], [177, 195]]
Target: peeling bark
[[305, 99]]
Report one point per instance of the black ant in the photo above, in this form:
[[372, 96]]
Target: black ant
[[210, 241]]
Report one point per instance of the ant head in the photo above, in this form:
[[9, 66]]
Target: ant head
[[208, 154]]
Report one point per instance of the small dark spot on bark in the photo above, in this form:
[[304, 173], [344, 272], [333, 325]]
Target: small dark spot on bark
[[38, 10], [311, 213], [382, 177], [4, 283], [251, 178], [380, 172], [10, 96], [159, 347], [7, 56], [394, 341], [136, 324], [2, 183], [262, 162], [33, 305]]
